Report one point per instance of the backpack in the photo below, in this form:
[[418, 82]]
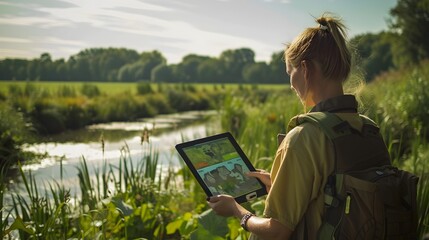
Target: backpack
[[365, 196]]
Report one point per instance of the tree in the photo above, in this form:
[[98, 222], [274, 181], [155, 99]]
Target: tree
[[374, 53], [161, 73], [187, 69], [410, 19], [210, 71], [124, 73], [61, 70], [234, 61], [256, 72], [149, 61], [278, 68], [101, 63]]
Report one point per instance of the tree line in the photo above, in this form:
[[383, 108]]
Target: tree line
[[126, 65], [404, 43]]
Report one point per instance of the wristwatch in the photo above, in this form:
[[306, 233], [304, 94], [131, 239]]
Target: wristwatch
[[244, 220]]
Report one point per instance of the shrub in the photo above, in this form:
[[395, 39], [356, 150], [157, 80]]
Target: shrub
[[2, 96], [75, 117], [90, 90], [159, 103], [144, 88], [66, 91], [48, 119], [117, 108], [15, 90], [13, 133]]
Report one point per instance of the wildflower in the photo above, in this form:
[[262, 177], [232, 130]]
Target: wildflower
[[271, 117]]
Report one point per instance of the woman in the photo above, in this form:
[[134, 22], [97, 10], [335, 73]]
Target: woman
[[318, 63]]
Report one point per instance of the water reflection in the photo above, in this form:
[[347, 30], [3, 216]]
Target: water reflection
[[66, 151]]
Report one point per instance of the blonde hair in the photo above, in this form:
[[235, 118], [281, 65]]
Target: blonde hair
[[326, 45]]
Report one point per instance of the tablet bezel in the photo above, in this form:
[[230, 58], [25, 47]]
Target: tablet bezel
[[240, 199]]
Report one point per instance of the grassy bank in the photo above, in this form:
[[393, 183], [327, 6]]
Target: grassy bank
[[29, 110], [136, 201]]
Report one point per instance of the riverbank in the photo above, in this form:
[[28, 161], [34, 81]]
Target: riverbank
[[31, 111], [81, 174], [106, 142]]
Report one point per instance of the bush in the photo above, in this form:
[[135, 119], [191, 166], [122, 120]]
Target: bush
[[159, 103], [117, 108], [15, 91], [2, 96], [90, 90], [13, 134], [75, 117], [66, 91], [144, 88], [181, 101], [48, 119]]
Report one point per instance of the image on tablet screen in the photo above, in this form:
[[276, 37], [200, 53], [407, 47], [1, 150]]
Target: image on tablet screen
[[221, 168]]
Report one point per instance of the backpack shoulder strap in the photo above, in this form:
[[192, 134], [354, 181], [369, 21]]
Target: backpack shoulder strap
[[332, 125]]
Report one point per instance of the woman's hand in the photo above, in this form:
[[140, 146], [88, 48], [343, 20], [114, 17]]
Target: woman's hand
[[262, 175], [226, 206]]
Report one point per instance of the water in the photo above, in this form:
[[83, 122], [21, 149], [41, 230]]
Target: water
[[67, 150]]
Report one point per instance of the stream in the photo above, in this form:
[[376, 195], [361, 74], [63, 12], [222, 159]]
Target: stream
[[108, 142]]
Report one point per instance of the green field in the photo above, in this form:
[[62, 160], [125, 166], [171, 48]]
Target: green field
[[128, 87]]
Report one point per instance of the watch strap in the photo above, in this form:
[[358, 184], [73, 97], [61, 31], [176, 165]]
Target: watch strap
[[244, 219]]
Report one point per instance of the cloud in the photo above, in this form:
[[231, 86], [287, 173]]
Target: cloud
[[168, 26], [92, 11], [59, 41], [134, 17], [31, 21], [14, 40]]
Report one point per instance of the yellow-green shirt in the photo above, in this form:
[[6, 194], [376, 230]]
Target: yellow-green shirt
[[302, 164]]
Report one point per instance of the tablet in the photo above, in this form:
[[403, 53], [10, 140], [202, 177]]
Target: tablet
[[220, 167]]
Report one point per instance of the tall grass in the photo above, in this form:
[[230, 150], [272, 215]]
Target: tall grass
[[120, 202], [256, 122]]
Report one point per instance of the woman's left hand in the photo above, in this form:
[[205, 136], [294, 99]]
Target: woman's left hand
[[226, 206]]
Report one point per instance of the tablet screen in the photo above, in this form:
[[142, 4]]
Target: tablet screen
[[221, 167]]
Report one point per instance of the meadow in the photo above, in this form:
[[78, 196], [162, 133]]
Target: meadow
[[114, 88], [135, 202]]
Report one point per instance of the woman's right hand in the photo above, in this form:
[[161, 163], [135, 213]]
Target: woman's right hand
[[263, 176]]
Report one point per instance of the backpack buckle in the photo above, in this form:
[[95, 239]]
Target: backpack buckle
[[330, 192]]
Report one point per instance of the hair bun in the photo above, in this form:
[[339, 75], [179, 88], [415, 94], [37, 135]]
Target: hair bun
[[322, 21]]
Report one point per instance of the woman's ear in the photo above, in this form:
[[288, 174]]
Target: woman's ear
[[305, 65]]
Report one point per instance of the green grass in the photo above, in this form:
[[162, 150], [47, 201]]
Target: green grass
[[110, 88]]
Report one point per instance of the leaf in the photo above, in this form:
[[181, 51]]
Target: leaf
[[258, 207], [18, 224], [213, 223], [234, 226], [121, 206], [188, 227], [202, 233], [172, 227]]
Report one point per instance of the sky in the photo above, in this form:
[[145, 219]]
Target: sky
[[176, 28]]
